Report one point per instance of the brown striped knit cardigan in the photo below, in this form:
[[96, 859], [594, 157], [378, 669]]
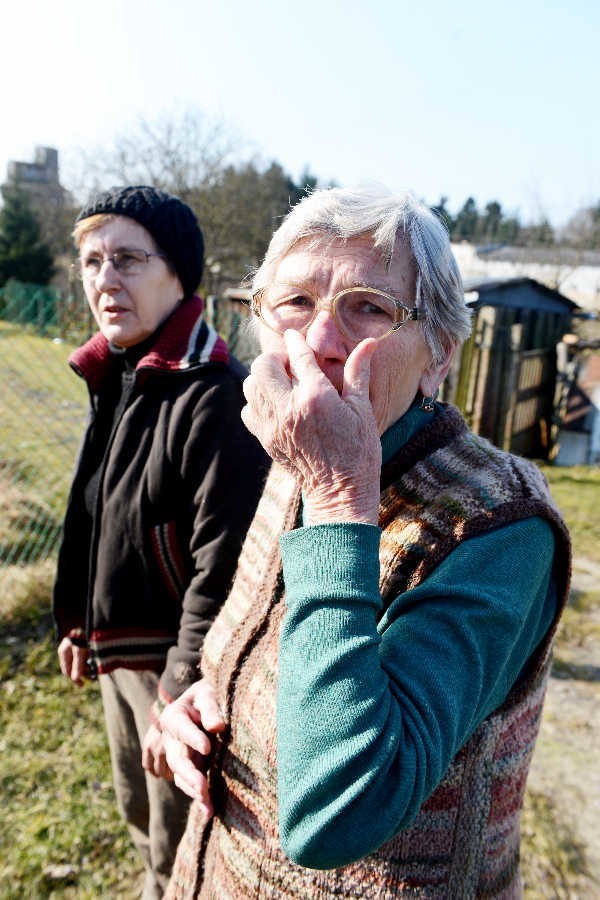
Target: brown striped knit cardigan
[[444, 485]]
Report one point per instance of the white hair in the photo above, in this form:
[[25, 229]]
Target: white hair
[[345, 213]]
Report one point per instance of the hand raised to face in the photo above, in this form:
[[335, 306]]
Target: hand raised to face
[[327, 438]]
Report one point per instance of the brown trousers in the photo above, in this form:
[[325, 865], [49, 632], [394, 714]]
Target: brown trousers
[[154, 809]]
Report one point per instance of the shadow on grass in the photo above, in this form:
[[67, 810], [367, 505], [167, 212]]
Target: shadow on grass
[[582, 600], [17, 636], [25, 612], [575, 671]]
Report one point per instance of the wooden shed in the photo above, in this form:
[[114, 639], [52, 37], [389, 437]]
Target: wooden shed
[[504, 379]]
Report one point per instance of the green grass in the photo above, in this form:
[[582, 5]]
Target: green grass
[[554, 860], [60, 833], [42, 414], [576, 490]]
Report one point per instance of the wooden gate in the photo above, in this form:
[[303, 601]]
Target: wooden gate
[[506, 392], [528, 425]]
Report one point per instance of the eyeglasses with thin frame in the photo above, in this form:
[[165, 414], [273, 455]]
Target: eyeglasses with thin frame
[[359, 312], [126, 262]]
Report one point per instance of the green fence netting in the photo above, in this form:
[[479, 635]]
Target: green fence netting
[[43, 408], [42, 415]]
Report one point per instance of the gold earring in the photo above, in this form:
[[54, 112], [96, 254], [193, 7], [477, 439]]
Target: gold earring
[[427, 403]]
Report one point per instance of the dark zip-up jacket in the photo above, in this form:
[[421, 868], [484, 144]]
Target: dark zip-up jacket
[[141, 580]]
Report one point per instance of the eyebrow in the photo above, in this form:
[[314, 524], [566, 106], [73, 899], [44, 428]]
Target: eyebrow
[[121, 250], [311, 285], [385, 288]]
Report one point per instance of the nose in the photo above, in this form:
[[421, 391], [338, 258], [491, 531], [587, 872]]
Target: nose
[[325, 339], [108, 278]]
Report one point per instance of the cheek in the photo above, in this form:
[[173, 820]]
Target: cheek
[[92, 298], [395, 376], [391, 371], [269, 341]]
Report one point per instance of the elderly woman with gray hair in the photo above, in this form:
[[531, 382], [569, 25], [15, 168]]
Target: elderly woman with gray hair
[[372, 688]]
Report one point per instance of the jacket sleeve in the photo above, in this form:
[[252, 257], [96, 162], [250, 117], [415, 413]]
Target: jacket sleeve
[[222, 468], [372, 709]]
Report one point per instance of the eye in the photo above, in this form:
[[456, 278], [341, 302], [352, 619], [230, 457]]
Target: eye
[[366, 303], [373, 309], [127, 259], [92, 263], [286, 298], [297, 301]]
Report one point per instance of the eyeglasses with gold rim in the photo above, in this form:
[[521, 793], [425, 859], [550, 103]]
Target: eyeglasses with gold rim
[[360, 312]]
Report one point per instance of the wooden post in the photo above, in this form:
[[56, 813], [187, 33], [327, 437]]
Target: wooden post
[[510, 385], [478, 385]]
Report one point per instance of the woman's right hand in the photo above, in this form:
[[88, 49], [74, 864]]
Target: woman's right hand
[[186, 725], [73, 661]]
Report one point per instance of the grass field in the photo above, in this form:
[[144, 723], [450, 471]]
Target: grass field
[[42, 413], [60, 834]]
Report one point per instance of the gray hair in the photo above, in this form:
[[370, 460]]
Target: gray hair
[[345, 213]]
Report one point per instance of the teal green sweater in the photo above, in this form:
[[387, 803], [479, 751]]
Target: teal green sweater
[[370, 713]]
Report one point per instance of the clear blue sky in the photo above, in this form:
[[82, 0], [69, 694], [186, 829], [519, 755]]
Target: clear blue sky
[[495, 100]]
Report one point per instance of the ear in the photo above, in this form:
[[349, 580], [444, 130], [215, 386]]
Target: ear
[[435, 373]]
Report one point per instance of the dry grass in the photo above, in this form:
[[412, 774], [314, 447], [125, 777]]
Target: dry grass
[[25, 591]]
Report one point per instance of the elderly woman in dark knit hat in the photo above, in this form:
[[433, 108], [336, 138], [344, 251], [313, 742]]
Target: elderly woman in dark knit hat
[[166, 484], [372, 687]]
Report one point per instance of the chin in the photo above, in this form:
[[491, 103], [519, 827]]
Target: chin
[[121, 338]]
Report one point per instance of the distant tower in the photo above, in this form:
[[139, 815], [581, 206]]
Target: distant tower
[[49, 200], [39, 179]]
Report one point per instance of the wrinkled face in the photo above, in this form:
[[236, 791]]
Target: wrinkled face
[[402, 362], [128, 308]]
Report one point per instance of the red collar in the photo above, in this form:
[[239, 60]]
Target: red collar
[[184, 342]]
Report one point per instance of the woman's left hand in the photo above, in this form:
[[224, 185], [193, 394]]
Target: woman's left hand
[[154, 757], [187, 725], [327, 439]]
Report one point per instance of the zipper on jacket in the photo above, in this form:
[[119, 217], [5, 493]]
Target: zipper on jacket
[[128, 379]]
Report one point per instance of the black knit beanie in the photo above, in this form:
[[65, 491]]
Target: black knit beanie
[[169, 220]]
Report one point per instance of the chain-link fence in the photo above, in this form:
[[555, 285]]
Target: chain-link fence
[[43, 408], [42, 415]]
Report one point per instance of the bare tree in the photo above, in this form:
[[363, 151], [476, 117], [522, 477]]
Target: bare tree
[[179, 153], [238, 199], [582, 231]]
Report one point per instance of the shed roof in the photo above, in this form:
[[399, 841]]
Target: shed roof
[[517, 293], [557, 255]]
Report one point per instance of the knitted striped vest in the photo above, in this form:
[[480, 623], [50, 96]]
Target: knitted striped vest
[[445, 485]]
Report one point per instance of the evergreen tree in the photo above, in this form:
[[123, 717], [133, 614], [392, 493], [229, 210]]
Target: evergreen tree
[[488, 226], [444, 214], [538, 234], [509, 231], [240, 209], [23, 255], [306, 184], [465, 224]]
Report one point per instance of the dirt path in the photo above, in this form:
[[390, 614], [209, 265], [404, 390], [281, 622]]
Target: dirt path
[[565, 772]]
